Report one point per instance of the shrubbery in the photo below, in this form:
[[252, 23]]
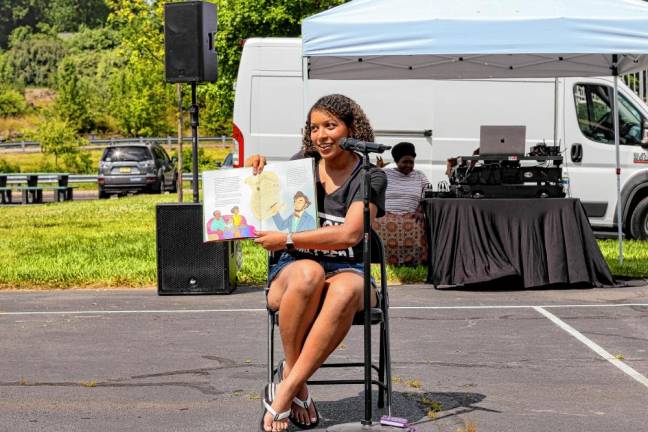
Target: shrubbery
[[12, 102], [73, 102], [58, 138], [140, 101], [32, 61], [8, 167]]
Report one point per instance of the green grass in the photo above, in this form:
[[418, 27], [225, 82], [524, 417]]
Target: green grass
[[32, 161], [111, 243], [635, 257]]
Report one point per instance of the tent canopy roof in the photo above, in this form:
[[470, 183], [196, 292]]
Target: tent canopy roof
[[386, 39]]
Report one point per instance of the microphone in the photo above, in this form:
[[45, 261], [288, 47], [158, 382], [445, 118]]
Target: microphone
[[362, 146]]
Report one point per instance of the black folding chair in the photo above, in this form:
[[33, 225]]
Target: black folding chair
[[379, 315]]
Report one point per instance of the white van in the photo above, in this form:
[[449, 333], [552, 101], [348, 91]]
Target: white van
[[443, 119]]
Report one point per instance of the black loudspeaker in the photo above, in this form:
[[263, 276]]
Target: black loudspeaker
[[185, 264], [189, 42]]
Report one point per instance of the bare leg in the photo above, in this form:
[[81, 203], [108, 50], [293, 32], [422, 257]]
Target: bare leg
[[344, 297], [297, 291]]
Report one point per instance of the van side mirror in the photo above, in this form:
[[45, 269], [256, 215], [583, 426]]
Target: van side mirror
[[644, 138]]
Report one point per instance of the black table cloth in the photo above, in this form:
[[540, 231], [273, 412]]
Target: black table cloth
[[540, 241]]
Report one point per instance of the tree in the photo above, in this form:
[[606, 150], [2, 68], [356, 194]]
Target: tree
[[70, 15], [60, 15], [57, 138], [140, 101], [140, 26], [73, 101], [242, 19], [92, 40], [16, 13], [12, 102], [33, 60]]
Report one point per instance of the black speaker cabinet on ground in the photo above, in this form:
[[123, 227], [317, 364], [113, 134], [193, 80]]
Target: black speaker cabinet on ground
[[185, 264], [189, 42]]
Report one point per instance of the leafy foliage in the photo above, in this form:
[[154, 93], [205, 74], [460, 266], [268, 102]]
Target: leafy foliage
[[8, 167], [33, 61], [92, 40], [16, 13], [206, 161], [58, 138], [73, 102], [58, 15], [140, 101], [69, 15], [12, 102], [140, 25], [241, 19]]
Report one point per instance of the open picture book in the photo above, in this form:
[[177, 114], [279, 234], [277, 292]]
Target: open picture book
[[237, 204]]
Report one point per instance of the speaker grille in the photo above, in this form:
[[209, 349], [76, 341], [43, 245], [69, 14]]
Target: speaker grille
[[186, 265], [188, 29]]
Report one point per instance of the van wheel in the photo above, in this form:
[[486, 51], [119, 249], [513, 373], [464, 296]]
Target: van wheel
[[639, 221], [174, 186]]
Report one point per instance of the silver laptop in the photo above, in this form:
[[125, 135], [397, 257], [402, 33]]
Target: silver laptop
[[502, 140]]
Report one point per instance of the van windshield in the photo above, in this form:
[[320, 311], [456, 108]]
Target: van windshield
[[594, 108], [126, 154]]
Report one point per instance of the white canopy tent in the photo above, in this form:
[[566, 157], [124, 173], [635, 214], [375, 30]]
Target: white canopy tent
[[436, 39]]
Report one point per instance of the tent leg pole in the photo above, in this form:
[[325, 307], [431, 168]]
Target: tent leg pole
[[555, 135], [618, 165]]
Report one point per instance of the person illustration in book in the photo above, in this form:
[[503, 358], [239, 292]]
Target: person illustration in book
[[317, 284], [216, 226], [299, 219], [240, 228]]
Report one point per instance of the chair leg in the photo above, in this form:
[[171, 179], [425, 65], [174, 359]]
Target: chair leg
[[271, 323], [381, 367], [388, 374]]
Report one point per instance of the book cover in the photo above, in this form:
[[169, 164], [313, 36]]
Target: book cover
[[237, 204]]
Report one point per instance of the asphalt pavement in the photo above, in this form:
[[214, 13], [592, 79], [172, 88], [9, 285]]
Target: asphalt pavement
[[129, 360]]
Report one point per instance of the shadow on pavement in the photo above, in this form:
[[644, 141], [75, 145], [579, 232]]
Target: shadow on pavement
[[412, 406]]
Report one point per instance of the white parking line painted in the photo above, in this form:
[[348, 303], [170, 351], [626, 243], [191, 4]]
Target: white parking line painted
[[520, 306], [179, 311], [594, 347], [111, 312]]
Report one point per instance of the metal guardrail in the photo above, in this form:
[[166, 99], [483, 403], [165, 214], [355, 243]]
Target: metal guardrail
[[74, 178], [106, 142]]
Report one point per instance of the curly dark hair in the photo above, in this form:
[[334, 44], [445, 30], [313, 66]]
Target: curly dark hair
[[347, 110]]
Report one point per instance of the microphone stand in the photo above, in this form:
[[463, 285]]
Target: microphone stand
[[366, 423]]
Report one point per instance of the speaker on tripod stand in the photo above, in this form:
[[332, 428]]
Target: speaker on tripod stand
[[185, 264]]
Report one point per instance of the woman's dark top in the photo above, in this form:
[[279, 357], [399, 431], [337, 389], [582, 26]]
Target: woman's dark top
[[332, 209]]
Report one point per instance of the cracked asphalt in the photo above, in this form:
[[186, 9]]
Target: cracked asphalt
[[129, 360]]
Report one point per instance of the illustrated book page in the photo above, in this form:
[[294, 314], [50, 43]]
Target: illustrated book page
[[237, 204]]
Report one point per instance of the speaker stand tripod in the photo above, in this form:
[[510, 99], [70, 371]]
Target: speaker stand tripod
[[193, 112]]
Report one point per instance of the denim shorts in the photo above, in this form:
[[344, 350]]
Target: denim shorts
[[330, 267]]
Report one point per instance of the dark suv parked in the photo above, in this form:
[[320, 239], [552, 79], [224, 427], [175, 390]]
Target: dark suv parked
[[136, 167]]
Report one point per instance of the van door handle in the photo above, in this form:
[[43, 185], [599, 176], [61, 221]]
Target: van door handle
[[576, 152]]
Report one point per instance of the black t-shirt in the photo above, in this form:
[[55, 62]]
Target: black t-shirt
[[332, 209]]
